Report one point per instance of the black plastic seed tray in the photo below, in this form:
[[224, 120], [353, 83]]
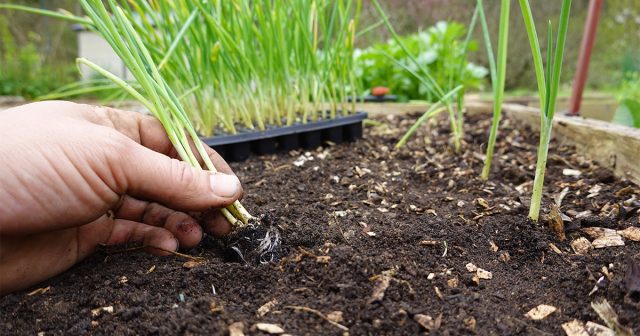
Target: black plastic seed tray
[[376, 99], [238, 147]]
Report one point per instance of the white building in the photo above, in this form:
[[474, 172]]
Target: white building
[[94, 48]]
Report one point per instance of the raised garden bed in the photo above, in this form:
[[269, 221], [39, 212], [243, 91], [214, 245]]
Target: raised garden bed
[[376, 241], [593, 106]]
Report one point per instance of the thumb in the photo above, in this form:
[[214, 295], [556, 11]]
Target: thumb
[[156, 177]]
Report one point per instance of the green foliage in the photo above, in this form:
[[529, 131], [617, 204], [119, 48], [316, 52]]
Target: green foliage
[[630, 88], [23, 71], [628, 112], [440, 50]]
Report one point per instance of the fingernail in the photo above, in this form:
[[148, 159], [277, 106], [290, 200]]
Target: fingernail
[[224, 185], [170, 245]]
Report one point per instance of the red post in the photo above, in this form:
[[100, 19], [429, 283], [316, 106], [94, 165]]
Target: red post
[[582, 69]]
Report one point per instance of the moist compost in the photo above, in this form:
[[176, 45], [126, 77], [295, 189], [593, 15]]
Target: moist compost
[[375, 241]]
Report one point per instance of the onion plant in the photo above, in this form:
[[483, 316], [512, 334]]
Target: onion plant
[[498, 70], [548, 83], [237, 64]]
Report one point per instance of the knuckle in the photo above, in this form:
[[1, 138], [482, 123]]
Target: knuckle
[[117, 151]]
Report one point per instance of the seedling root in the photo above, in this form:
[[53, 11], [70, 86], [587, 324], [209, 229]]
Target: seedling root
[[259, 242]]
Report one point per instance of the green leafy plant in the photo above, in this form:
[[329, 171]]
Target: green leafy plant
[[238, 64], [23, 71], [628, 112], [498, 75], [548, 83], [440, 49]]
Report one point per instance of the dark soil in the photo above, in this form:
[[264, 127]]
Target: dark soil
[[376, 240]]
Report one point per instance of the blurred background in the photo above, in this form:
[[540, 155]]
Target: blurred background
[[37, 54]]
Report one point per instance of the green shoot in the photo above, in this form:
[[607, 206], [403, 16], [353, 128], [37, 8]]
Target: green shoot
[[498, 76], [433, 110], [460, 70], [58, 15], [548, 89]]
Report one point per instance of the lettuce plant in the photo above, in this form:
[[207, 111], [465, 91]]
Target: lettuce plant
[[440, 49], [628, 112]]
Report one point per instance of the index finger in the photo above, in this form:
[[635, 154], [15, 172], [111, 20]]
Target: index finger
[[149, 132]]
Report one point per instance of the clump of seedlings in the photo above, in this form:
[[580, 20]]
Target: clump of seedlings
[[244, 65], [154, 93]]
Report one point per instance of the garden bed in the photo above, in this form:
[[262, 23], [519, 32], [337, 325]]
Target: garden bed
[[376, 241]]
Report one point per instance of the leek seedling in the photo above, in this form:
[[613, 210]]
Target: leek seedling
[[498, 76], [461, 69], [154, 92], [547, 88]]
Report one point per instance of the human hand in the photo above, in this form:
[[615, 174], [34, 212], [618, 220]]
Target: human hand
[[75, 176]]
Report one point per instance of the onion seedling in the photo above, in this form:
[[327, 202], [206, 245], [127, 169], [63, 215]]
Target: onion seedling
[[429, 82], [458, 73], [498, 71], [547, 88]]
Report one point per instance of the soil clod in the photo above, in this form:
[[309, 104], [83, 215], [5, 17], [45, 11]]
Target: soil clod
[[632, 282]]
